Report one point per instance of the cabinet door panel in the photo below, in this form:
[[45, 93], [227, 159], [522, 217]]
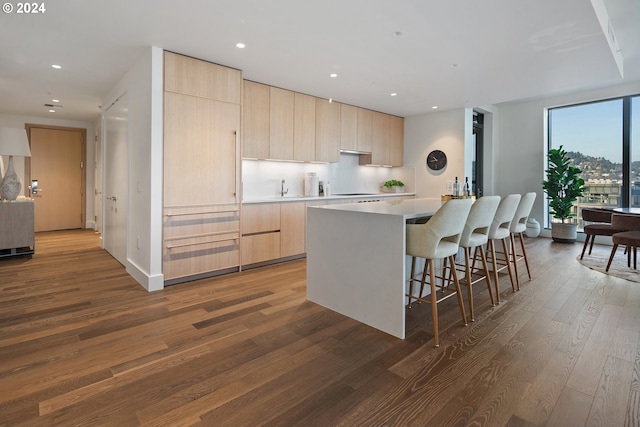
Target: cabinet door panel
[[348, 127], [327, 131], [200, 151], [365, 119], [304, 128], [201, 78], [260, 247], [255, 125], [293, 229], [396, 141], [281, 105], [260, 218], [380, 139]]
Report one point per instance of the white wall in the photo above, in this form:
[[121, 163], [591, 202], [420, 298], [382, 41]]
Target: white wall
[[16, 121], [144, 87], [521, 148], [435, 131]]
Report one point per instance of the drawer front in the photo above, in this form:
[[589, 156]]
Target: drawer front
[[260, 218], [260, 247], [198, 255]]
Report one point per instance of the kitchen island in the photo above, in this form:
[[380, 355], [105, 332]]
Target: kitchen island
[[356, 261]]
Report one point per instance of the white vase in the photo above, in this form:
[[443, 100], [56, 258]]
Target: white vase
[[11, 185], [533, 228]]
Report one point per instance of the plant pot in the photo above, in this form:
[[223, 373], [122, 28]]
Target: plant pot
[[393, 189], [564, 232]]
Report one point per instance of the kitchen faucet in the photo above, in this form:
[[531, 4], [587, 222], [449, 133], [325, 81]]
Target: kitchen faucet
[[282, 190]]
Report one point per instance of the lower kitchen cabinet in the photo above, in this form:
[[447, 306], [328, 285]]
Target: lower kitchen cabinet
[[293, 228], [260, 232]]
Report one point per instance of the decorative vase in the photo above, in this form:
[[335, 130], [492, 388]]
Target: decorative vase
[[533, 228], [564, 232], [11, 186]]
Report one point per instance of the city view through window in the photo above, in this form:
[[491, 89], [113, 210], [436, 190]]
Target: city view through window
[[593, 135]]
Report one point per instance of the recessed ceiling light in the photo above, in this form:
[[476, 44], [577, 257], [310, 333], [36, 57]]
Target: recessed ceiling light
[[435, 107], [394, 94], [240, 45], [455, 65], [397, 33], [57, 67], [334, 75], [55, 100], [52, 111]]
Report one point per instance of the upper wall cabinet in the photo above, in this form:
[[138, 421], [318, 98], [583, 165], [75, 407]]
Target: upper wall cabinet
[[327, 131], [348, 127], [281, 108], [304, 128], [387, 141], [255, 124], [396, 141], [191, 76], [365, 121]]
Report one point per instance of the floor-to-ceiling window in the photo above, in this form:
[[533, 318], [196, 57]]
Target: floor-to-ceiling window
[[603, 140]]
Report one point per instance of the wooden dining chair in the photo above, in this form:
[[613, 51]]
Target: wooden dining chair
[[630, 239], [597, 223]]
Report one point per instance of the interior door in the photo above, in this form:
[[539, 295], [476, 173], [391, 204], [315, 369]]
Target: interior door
[[116, 178], [97, 179], [57, 164]]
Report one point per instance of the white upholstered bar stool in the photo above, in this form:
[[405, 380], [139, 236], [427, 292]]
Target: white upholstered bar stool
[[474, 237], [500, 231], [519, 226], [437, 239]]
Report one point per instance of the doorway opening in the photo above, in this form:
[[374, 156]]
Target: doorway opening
[[477, 168]]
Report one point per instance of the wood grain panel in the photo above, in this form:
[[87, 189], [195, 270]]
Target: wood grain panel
[[281, 107], [327, 131], [191, 76], [365, 129], [260, 217], [348, 127], [304, 127], [293, 228], [255, 120]]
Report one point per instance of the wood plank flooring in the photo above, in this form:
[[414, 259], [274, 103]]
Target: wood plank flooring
[[82, 344]]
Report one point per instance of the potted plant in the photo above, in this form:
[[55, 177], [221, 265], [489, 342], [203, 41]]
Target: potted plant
[[563, 187], [393, 186]]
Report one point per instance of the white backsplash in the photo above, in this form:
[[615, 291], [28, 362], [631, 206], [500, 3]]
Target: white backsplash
[[262, 178]]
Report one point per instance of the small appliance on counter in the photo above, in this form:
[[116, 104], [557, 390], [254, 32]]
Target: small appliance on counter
[[311, 185]]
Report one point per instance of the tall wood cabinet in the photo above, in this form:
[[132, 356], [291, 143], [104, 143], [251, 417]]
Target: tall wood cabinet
[[201, 225]]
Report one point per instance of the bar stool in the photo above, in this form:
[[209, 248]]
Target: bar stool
[[517, 227], [438, 239], [474, 237], [500, 231]]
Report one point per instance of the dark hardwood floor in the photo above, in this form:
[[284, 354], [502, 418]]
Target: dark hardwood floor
[[81, 343]]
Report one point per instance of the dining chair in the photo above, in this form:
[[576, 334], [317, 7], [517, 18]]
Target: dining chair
[[437, 239], [474, 238], [630, 238], [599, 225], [518, 227], [500, 231]]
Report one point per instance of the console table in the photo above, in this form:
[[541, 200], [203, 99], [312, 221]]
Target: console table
[[17, 228]]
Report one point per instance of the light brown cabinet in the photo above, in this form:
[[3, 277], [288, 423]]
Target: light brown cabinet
[[396, 141], [260, 233], [348, 127], [281, 108], [293, 228], [387, 146], [201, 225], [365, 123], [191, 76], [327, 131], [304, 128], [255, 121]]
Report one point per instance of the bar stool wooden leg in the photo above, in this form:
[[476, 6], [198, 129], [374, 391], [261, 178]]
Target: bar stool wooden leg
[[494, 262], [458, 293], [434, 303], [526, 259], [412, 279], [514, 257], [506, 254], [486, 273], [468, 279]]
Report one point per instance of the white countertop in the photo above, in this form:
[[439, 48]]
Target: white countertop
[[407, 208], [335, 197]]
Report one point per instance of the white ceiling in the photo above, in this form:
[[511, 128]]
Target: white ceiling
[[503, 49]]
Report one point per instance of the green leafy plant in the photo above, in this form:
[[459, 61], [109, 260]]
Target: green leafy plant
[[393, 183], [563, 184]]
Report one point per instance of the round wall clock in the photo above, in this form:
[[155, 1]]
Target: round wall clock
[[436, 160]]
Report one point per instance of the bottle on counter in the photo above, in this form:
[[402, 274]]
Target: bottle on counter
[[327, 188], [467, 191], [456, 188]]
